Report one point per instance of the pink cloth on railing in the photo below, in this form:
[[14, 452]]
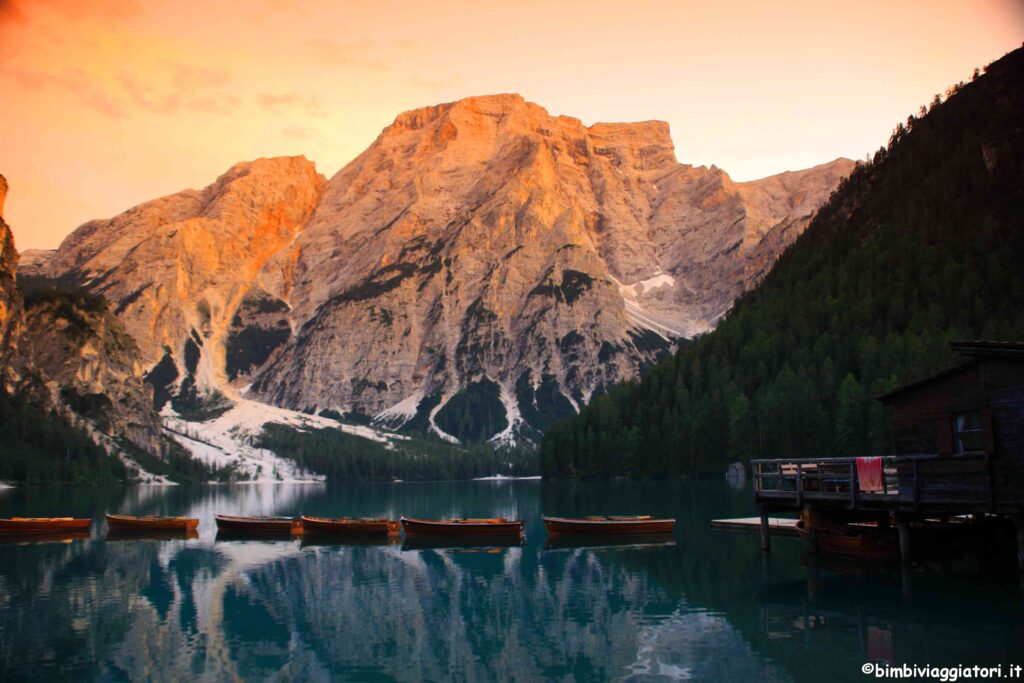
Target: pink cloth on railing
[[869, 472]]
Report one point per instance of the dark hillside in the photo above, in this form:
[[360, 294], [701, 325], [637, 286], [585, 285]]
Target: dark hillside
[[922, 245]]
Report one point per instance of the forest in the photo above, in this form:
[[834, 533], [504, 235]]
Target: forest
[[37, 446], [341, 456], [921, 245]]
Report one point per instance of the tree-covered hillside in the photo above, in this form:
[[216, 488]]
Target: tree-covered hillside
[[922, 245]]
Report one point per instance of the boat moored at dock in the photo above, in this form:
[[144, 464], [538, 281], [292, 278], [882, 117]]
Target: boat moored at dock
[[497, 526], [608, 525], [256, 525], [861, 542], [42, 525], [151, 523], [350, 525]]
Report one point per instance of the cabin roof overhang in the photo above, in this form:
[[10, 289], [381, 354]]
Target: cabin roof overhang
[[973, 352], [989, 349], [927, 381]]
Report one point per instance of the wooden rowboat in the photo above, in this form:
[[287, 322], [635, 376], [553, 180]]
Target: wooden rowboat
[[462, 527], [36, 525], [121, 522], [350, 525], [276, 525], [608, 525], [864, 543]]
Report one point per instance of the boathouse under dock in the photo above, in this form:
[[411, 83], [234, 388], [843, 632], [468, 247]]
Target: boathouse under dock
[[959, 458]]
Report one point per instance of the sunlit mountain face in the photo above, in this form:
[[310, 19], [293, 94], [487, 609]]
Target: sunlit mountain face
[[481, 257]]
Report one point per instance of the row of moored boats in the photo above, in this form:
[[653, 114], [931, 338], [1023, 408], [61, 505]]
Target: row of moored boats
[[497, 527]]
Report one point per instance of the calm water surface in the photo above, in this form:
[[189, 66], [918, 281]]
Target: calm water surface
[[704, 607]]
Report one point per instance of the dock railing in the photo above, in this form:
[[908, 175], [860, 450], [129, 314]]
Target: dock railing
[[908, 482]]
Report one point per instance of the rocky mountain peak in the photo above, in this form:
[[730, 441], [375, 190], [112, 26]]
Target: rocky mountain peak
[[480, 257], [175, 269]]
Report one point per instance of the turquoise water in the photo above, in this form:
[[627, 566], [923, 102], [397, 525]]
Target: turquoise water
[[706, 606]]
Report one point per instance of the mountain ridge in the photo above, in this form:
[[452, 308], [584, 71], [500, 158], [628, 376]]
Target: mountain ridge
[[476, 242]]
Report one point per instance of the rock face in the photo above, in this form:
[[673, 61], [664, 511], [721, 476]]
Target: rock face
[[480, 258], [486, 241], [64, 351], [35, 262], [10, 300], [175, 269], [74, 355]]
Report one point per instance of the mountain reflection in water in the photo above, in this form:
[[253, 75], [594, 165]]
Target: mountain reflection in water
[[700, 605]]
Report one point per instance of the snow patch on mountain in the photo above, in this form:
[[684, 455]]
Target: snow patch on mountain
[[229, 440], [657, 281], [400, 413], [507, 436], [433, 425]]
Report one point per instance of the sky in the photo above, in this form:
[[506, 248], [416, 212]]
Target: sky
[[110, 103]]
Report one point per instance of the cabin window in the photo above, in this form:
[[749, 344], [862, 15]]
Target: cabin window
[[968, 433]]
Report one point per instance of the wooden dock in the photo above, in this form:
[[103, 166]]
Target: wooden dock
[[777, 526]]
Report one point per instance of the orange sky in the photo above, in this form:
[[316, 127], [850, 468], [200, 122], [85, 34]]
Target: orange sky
[[108, 104]]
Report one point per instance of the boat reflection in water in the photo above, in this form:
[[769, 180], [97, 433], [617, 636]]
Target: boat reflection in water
[[25, 538], [228, 535], [129, 534], [348, 540], [610, 541], [455, 542]]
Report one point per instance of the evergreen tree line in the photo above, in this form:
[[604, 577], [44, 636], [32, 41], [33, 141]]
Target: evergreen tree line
[[37, 446], [342, 456], [921, 245]]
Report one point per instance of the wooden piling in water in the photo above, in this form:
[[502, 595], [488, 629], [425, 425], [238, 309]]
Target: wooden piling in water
[[904, 532], [765, 536]]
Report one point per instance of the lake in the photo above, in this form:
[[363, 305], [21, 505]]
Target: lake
[[707, 606]]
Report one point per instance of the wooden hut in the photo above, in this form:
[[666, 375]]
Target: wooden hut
[[977, 406], [960, 451]]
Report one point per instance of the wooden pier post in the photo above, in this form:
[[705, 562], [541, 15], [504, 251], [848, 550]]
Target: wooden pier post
[[765, 532], [903, 527], [811, 520]]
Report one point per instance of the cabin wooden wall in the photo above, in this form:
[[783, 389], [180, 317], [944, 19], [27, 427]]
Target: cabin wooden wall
[[928, 410], [1004, 381], [993, 386]]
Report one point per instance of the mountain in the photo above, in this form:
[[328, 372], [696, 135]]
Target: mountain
[[921, 246], [10, 301], [176, 269], [42, 436], [481, 265], [73, 354]]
